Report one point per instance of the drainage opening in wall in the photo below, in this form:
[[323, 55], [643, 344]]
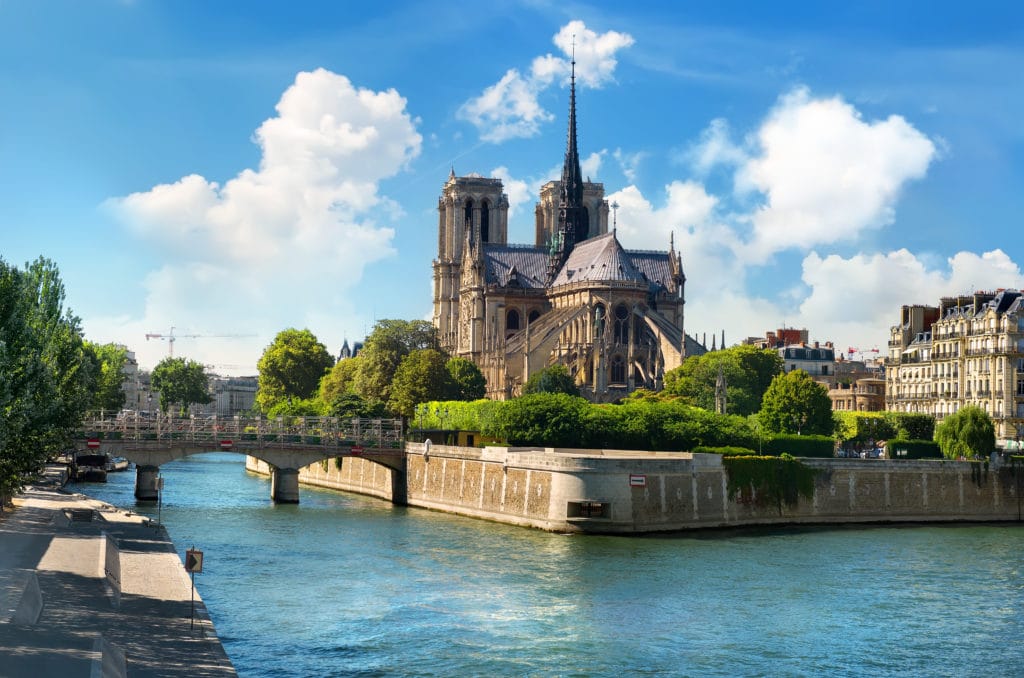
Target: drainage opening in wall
[[588, 509]]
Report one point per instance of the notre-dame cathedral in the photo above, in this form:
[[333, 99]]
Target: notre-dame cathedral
[[613, 317]]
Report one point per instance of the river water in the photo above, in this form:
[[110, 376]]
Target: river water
[[345, 585]]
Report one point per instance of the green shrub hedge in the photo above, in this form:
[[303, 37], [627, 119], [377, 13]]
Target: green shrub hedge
[[800, 446], [727, 451]]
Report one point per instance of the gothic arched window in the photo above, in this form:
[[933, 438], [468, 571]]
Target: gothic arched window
[[469, 215], [621, 331], [618, 370], [512, 320], [533, 316], [485, 222]]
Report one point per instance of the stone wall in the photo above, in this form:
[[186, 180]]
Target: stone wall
[[354, 475], [632, 492]]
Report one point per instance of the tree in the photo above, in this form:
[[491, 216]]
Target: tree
[[795, 403], [382, 353], [340, 380], [968, 432], [422, 376], [748, 372], [554, 379], [467, 380], [47, 376], [550, 419], [110, 361], [291, 367], [180, 382], [350, 405]]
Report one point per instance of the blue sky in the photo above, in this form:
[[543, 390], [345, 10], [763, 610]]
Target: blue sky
[[240, 168]]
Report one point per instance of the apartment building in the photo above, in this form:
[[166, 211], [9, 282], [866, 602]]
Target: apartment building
[[969, 350]]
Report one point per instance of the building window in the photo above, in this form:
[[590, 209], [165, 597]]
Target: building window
[[485, 222], [621, 333], [533, 316], [512, 321], [618, 370], [468, 215]]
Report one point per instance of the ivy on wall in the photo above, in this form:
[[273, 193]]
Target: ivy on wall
[[769, 481]]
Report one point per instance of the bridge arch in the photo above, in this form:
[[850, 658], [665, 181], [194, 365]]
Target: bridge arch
[[286, 445]]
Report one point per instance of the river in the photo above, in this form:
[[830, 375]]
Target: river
[[344, 585]]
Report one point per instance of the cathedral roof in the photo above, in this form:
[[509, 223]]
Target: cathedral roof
[[599, 259], [656, 266], [516, 266]]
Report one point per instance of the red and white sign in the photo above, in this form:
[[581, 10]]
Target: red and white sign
[[357, 449], [637, 480], [92, 443], [226, 444]]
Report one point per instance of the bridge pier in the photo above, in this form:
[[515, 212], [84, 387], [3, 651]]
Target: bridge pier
[[284, 485], [145, 482]]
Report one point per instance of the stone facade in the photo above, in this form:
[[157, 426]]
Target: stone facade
[[614, 491], [969, 350], [576, 297]]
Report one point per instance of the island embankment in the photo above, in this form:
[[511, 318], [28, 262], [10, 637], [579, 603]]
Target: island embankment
[[89, 589], [635, 492]]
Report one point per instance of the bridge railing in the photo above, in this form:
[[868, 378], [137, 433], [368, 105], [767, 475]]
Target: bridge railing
[[258, 432]]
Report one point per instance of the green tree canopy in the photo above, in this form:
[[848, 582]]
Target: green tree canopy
[[47, 377], [968, 432], [554, 379], [467, 379], [350, 405], [291, 367], [382, 353], [422, 376], [340, 380], [553, 419], [181, 382], [795, 403], [748, 372], [110, 360]]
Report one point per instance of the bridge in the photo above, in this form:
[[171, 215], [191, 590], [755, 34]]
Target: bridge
[[285, 443]]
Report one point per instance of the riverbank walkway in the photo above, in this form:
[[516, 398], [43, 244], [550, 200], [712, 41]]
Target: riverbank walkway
[[90, 590]]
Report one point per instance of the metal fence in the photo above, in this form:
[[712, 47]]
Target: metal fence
[[229, 432]]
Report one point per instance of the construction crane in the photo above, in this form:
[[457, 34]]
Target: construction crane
[[171, 336], [851, 350]]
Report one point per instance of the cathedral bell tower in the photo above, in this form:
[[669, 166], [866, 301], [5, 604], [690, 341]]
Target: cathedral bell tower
[[471, 209]]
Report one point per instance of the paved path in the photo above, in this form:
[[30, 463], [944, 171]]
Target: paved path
[[84, 627]]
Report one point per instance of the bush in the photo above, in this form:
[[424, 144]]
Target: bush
[[800, 446], [912, 425], [547, 419], [914, 449], [728, 451]]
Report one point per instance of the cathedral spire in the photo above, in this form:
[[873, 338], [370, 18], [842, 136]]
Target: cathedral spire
[[572, 220]]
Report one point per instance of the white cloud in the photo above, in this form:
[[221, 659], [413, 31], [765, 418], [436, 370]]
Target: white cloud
[[302, 225], [715, 148], [591, 165], [629, 163], [594, 53], [510, 108], [826, 174], [506, 110], [519, 192]]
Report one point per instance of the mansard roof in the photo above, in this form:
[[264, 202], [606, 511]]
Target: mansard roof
[[515, 265], [599, 259]]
